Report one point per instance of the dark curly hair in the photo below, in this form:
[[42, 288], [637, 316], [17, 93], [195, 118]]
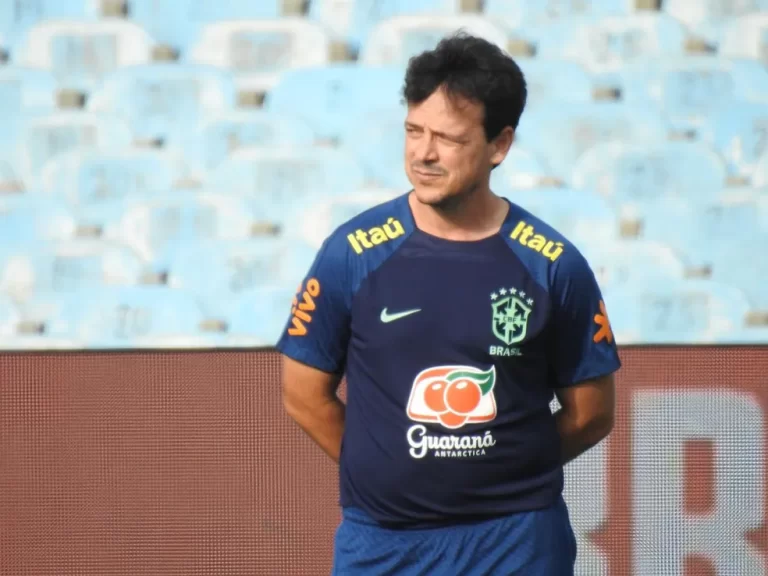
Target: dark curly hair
[[475, 69]]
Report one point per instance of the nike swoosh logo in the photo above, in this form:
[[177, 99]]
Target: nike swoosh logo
[[386, 317]]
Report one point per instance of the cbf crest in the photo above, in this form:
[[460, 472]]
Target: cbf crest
[[511, 310]]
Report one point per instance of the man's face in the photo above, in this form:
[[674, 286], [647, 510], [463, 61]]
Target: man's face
[[446, 153]]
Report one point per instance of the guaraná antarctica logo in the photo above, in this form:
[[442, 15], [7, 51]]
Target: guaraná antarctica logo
[[451, 396]]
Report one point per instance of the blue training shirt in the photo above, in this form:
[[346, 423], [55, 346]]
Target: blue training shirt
[[451, 352]]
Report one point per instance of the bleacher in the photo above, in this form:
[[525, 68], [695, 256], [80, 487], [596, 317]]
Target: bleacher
[[168, 168]]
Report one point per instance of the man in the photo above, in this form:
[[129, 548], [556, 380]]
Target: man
[[456, 316]]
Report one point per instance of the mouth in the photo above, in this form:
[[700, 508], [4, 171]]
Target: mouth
[[426, 174]]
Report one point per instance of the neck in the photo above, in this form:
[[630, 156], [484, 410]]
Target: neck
[[471, 216]]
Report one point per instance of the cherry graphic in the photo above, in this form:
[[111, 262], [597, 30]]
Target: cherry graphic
[[434, 396], [462, 396], [451, 420]]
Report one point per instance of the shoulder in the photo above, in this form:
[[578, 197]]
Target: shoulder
[[375, 231], [547, 254]]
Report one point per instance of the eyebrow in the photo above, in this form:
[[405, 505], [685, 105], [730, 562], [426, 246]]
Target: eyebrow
[[437, 132]]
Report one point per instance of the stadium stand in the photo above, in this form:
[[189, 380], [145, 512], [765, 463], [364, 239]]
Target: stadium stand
[[168, 168]]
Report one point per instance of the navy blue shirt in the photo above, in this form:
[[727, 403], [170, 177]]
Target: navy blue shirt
[[452, 351]]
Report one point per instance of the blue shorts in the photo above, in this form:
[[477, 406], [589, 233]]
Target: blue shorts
[[533, 543]]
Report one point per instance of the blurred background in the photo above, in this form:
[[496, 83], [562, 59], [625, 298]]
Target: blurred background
[[168, 168]]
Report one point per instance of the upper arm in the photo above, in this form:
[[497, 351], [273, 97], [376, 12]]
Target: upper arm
[[581, 344], [303, 384], [590, 399], [315, 338]]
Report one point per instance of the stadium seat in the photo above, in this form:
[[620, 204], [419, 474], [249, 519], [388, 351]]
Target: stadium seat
[[375, 138], [628, 174], [745, 37], [526, 14], [578, 215], [67, 266], [605, 45], [48, 136], [80, 54], [33, 217], [278, 180], [690, 89], [24, 93], [257, 51], [327, 98], [520, 170], [117, 317], [708, 18], [217, 138], [351, 21], [316, 220], [701, 233], [689, 311], [760, 172], [176, 23], [561, 134], [550, 80], [93, 176], [154, 225], [628, 263], [739, 133], [9, 317], [17, 17], [259, 316], [164, 102], [393, 41], [216, 271]]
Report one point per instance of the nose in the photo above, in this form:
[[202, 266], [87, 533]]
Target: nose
[[425, 150]]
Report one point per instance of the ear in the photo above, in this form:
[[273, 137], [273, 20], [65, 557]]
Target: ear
[[501, 145]]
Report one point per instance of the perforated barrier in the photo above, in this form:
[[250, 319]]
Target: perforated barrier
[[184, 463]]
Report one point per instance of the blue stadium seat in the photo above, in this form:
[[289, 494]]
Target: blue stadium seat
[[117, 317], [216, 271], [742, 264], [257, 50], [80, 54], [319, 218], [9, 317], [555, 80], [164, 101], [684, 312], [68, 266], [217, 138], [352, 21], [177, 22], [739, 133], [579, 215], [702, 233], [259, 316], [631, 263], [527, 14], [760, 171], [376, 140], [277, 180], [24, 92], [393, 41], [28, 218], [708, 18], [92, 176], [18, 16], [154, 225], [631, 174], [744, 36], [520, 169], [561, 134], [48, 136], [338, 92], [690, 89], [605, 45]]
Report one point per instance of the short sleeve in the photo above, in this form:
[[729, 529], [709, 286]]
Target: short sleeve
[[582, 346], [318, 327]]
